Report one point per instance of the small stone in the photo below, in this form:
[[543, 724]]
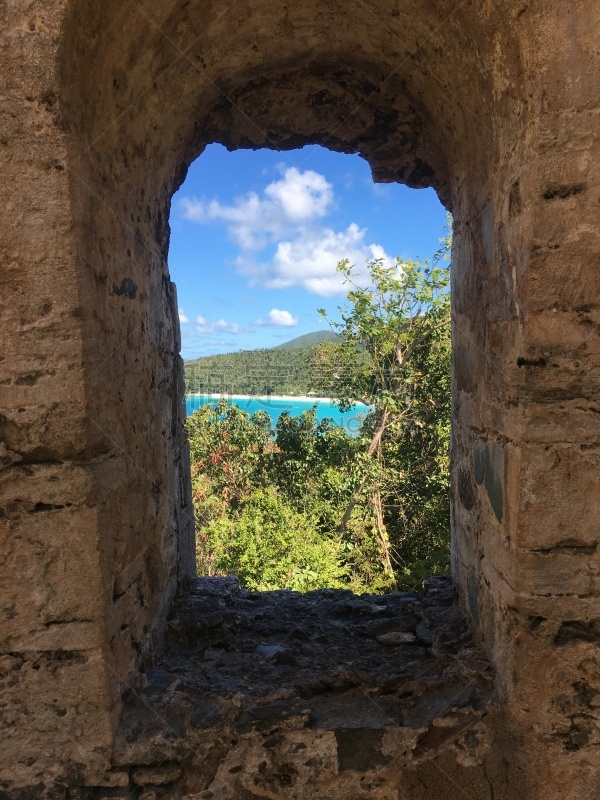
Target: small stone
[[270, 650], [206, 715], [175, 725], [244, 723], [273, 741], [207, 621], [375, 609], [199, 613], [348, 606], [274, 712], [402, 622], [223, 681], [425, 634], [397, 637], [112, 779], [159, 680], [212, 655], [437, 583], [156, 776], [215, 586], [179, 664]]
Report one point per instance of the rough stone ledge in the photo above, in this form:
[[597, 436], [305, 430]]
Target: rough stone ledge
[[287, 695], [279, 694]]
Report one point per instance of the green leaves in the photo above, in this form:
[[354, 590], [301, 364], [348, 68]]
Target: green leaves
[[394, 354], [267, 503], [382, 325], [272, 546], [306, 506]]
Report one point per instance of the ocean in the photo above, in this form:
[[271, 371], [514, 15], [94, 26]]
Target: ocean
[[275, 406]]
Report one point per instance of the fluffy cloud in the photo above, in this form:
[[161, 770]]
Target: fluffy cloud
[[279, 319], [309, 260], [287, 220], [183, 319], [254, 222], [301, 195], [205, 326]]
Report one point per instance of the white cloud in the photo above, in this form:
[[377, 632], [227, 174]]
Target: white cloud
[[301, 195], [309, 260], [279, 319], [183, 319], [287, 218], [254, 222], [205, 326]]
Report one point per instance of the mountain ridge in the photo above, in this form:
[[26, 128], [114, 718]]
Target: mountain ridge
[[306, 340], [286, 369]]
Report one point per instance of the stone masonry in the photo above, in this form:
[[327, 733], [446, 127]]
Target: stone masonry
[[494, 103]]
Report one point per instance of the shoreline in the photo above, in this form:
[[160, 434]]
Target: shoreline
[[268, 397]]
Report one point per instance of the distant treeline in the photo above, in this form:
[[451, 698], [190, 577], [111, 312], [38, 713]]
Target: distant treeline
[[276, 371]]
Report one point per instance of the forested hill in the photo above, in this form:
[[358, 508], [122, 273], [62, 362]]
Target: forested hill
[[283, 370], [307, 340]]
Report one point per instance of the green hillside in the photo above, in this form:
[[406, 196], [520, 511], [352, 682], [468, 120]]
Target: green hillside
[[287, 369], [256, 372], [307, 340]]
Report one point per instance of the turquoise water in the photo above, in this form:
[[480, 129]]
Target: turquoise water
[[274, 406]]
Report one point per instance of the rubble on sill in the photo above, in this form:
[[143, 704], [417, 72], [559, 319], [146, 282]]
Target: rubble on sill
[[287, 695]]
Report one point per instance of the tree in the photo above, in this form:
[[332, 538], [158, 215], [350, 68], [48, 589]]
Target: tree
[[386, 333]]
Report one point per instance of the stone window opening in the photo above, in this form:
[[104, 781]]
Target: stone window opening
[[276, 691], [254, 224]]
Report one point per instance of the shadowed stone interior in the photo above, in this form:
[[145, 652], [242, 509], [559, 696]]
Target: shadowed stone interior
[[103, 107], [306, 694]]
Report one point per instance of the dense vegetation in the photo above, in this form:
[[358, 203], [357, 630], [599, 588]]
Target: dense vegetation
[[279, 370], [306, 505], [266, 507]]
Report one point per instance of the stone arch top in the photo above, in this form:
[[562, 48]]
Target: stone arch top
[[407, 85]]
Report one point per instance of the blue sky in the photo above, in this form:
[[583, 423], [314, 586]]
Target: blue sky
[[256, 236]]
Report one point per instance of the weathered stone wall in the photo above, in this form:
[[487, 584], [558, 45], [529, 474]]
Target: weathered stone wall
[[53, 606], [527, 435], [94, 494], [103, 107]]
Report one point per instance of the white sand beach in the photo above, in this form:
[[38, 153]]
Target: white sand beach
[[266, 397]]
